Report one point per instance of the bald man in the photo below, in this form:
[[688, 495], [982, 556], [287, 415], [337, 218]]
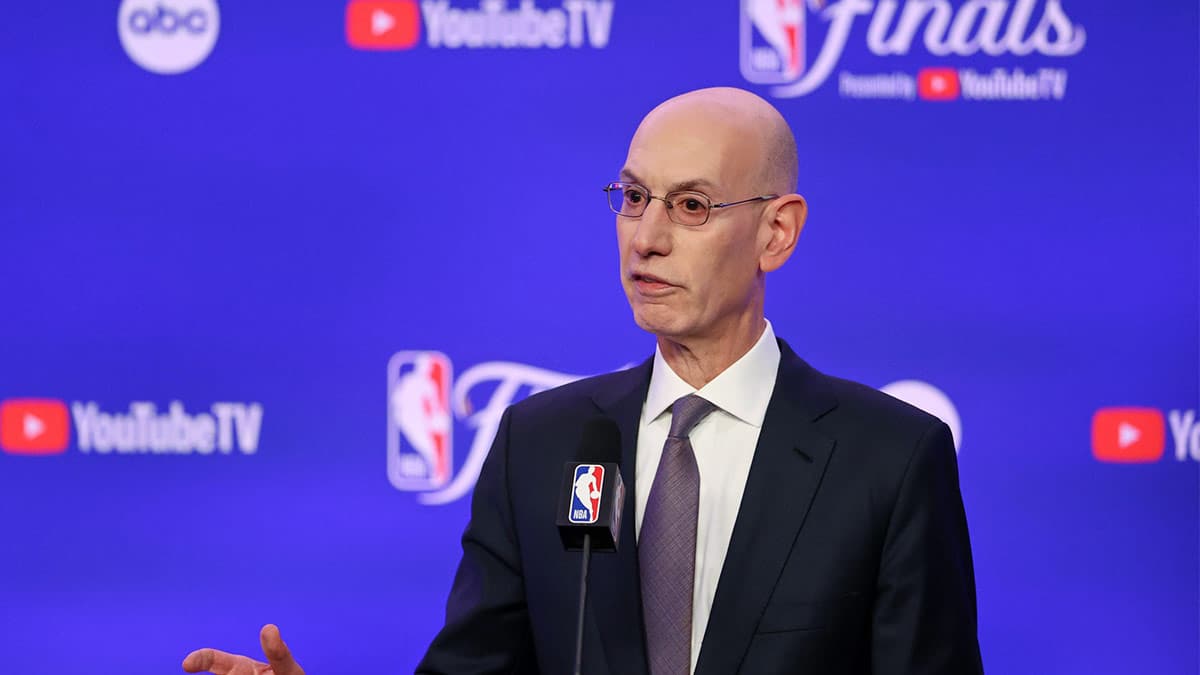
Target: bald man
[[805, 524], [783, 521]]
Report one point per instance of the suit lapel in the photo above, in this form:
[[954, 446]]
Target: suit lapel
[[614, 581], [788, 464]]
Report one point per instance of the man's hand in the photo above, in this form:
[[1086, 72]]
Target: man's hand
[[279, 659]]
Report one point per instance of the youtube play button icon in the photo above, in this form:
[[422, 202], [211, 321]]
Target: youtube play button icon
[[1128, 435], [382, 24], [34, 426]]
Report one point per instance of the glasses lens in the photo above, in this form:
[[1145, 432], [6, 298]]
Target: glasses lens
[[688, 208], [627, 199]]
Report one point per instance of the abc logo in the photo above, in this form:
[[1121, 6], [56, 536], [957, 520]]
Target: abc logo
[[168, 36]]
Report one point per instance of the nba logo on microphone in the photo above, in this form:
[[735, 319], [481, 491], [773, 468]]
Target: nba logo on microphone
[[419, 420], [585, 500], [772, 40]]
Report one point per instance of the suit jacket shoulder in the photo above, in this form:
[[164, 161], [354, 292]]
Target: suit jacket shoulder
[[580, 396], [877, 428]]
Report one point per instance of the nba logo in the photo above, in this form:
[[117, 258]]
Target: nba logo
[[772, 40], [585, 500], [419, 420]]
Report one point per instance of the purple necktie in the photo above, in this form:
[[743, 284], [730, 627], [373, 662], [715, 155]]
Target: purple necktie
[[667, 544]]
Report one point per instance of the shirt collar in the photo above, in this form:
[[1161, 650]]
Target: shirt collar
[[742, 390]]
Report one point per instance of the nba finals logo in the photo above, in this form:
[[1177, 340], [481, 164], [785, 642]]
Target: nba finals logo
[[419, 420], [424, 404], [585, 502], [776, 43]]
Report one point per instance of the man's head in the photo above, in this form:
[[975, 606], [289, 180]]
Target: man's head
[[702, 283]]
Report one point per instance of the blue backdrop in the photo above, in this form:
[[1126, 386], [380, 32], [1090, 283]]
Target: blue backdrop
[[249, 209]]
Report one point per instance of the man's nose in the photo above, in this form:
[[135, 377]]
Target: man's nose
[[653, 233]]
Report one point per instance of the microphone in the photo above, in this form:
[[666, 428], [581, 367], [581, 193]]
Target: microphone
[[590, 504], [592, 493]]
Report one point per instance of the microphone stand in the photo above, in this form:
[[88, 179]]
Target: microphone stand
[[583, 578]]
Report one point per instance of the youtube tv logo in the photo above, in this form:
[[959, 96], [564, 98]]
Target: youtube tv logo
[[33, 426], [43, 426], [938, 84], [382, 24], [1128, 435]]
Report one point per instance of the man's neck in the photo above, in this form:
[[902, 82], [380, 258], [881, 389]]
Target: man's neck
[[699, 361]]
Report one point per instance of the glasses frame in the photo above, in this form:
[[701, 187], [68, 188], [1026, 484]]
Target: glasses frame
[[666, 199]]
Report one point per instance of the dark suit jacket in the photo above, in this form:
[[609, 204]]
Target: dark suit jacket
[[849, 554]]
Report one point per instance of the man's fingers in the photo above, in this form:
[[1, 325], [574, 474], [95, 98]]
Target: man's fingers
[[223, 663], [277, 652], [211, 661]]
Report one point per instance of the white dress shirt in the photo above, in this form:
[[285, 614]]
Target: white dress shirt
[[724, 444]]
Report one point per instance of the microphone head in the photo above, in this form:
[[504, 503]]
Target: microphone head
[[592, 495], [601, 442]]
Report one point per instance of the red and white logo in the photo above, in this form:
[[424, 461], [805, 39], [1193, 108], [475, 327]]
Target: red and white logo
[[424, 400], [34, 426], [772, 40], [419, 420], [938, 84], [1128, 435], [382, 24], [589, 486]]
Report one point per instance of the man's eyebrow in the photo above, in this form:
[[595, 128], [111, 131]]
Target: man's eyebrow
[[692, 184]]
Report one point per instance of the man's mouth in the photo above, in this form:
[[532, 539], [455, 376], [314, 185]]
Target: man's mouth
[[648, 283]]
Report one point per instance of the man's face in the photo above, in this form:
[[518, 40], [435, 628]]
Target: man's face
[[692, 281]]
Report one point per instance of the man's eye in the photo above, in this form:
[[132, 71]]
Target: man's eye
[[633, 196], [691, 204]]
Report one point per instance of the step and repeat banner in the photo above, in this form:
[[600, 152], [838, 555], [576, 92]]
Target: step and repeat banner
[[270, 273]]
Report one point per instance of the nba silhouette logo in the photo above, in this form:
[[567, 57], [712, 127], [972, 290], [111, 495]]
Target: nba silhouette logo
[[419, 420], [772, 40], [585, 497]]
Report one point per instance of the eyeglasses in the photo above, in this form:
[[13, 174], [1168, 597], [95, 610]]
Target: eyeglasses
[[684, 207]]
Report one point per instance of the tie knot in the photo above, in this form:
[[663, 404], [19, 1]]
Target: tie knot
[[686, 413]]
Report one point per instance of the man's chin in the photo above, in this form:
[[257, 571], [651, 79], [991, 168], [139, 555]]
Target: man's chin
[[659, 326]]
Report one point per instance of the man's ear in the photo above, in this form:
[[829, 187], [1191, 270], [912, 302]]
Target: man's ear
[[785, 219]]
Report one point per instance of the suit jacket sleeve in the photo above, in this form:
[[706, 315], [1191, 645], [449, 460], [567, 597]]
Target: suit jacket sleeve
[[487, 626], [924, 620]]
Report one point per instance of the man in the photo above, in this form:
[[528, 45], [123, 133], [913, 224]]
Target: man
[[783, 521]]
